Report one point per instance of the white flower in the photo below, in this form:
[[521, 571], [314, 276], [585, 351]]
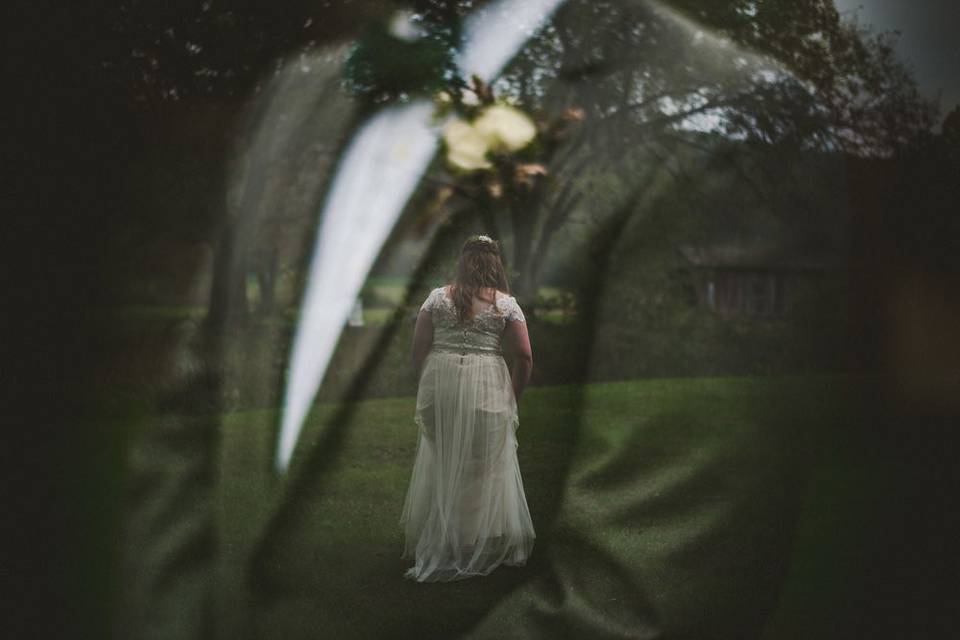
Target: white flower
[[466, 148], [485, 238], [469, 97], [403, 27], [505, 128]]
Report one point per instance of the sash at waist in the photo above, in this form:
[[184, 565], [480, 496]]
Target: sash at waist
[[466, 350]]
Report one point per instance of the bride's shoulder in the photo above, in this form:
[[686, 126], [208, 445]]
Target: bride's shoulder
[[433, 299], [510, 307], [443, 292]]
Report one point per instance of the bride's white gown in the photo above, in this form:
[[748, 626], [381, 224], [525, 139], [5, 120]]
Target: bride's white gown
[[465, 511]]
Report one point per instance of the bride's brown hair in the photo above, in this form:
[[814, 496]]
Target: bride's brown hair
[[479, 266]]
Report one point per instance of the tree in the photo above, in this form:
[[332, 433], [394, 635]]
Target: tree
[[780, 74]]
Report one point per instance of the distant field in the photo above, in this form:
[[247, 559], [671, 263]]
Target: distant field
[[387, 292]]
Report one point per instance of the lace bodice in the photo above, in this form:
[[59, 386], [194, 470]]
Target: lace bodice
[[480, 334]]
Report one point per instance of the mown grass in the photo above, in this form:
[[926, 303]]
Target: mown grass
[[732, 423]]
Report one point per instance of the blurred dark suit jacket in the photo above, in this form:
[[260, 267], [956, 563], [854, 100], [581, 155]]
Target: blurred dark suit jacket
[[654, 531]]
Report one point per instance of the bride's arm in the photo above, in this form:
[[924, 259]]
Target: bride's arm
[[422, 340], [516, 342]]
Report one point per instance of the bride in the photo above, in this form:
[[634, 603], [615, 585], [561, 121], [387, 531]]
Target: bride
[[465, 511]]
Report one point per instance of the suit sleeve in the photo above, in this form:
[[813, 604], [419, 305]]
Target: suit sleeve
[[677, 509], [167, 550]]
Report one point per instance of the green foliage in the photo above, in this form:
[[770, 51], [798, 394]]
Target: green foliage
[[383, 296], [650, 322], [826, 85], [381, 67], [858, 87]]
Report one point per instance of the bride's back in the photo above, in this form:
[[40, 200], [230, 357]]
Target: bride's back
[[483, 299], [481, 332]]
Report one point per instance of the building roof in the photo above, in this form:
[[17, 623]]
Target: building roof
[[761, 256]]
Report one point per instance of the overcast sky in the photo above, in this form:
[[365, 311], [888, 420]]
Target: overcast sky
[[929, 40]]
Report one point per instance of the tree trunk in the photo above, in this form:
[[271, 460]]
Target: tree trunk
[[522, 213], [228, 295], [266, 273]]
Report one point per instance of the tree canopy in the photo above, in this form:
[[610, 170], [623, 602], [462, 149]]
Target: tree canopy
[[157, 51], [778, 75]]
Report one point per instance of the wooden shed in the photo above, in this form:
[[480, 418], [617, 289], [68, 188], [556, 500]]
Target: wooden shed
[[754, 279]]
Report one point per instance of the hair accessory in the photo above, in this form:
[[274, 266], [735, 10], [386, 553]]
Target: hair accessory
[[485, 239]]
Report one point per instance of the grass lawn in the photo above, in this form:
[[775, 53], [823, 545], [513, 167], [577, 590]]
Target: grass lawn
[[356, 545]]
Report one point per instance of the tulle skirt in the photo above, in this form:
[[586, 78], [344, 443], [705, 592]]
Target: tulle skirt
[[465, 511]]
